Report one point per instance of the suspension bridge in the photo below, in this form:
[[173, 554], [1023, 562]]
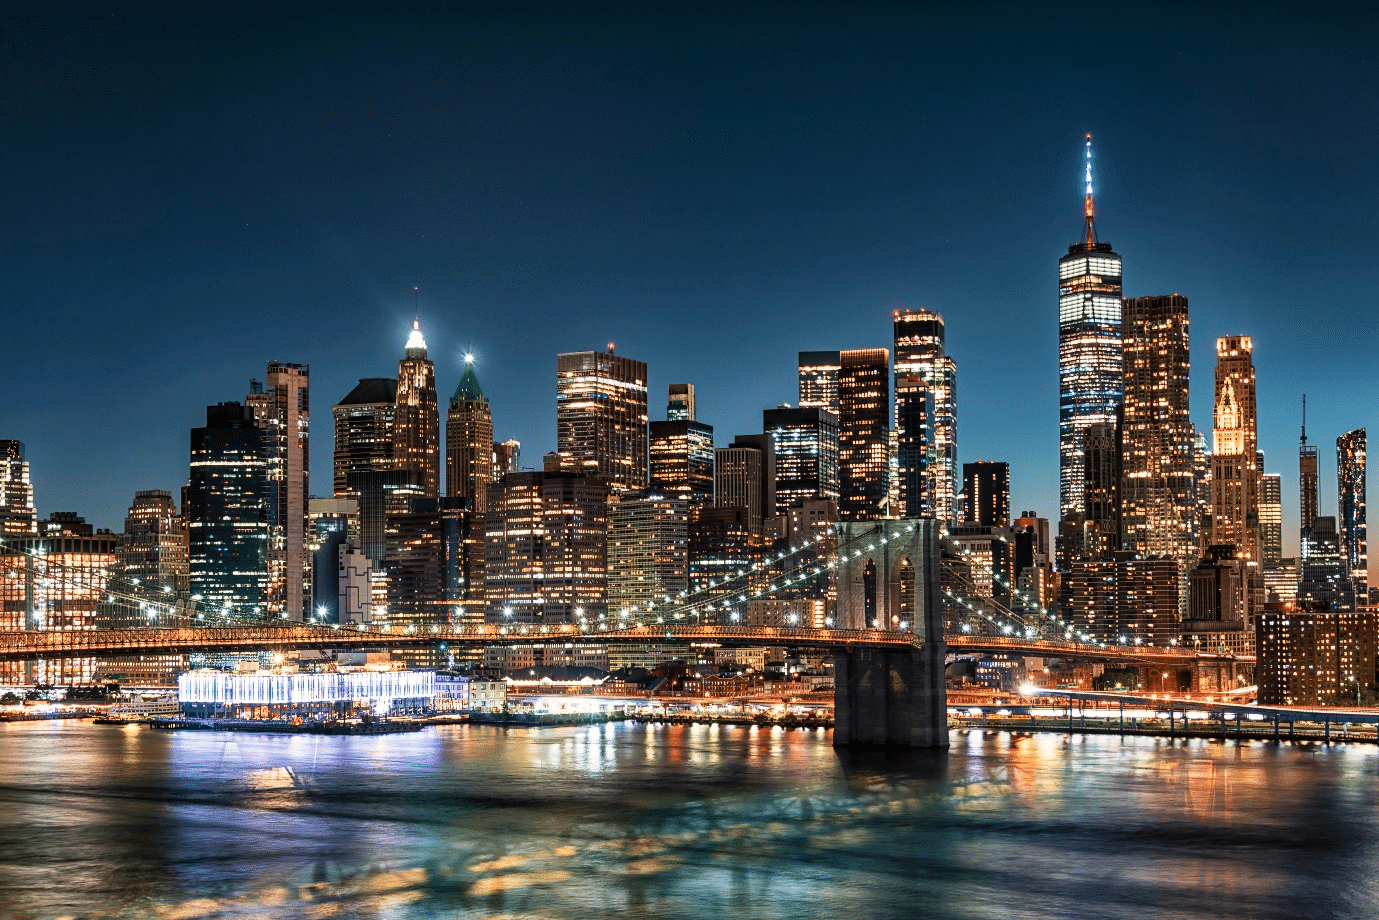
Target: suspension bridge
[[902, 588]]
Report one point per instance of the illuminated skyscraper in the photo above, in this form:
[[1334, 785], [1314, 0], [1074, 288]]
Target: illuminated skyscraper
[[682, 460], [648, 546], [1350, 473], [601, 417], [545, 549], [680, 403], [417, 424], [806, 449], [926, 421], [1157, 504], [153, 547], [1235, 453], [1089, 348], [864, 468], [987, 486], [469, 442], [17, 514], [227, 513], [745, 476], [283, 410], [1307, 486], [819, 380], [364, 430], [1271, 520], [54, 580], [507, 457]]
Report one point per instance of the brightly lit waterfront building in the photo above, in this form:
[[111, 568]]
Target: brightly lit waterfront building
[[1089, 348], [55, 580], [330, 694]]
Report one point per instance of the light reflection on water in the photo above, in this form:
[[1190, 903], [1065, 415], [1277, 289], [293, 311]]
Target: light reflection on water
[[676, 821]]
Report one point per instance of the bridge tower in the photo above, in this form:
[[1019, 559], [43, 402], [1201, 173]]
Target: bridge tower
[[888, 579]]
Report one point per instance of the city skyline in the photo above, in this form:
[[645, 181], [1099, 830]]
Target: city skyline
[[1208, 223]]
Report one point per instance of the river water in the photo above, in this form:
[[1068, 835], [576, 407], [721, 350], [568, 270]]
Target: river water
[[629, 821]]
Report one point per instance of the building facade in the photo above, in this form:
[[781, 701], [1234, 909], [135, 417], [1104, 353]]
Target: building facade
[[17, 514], [1235, 474], [1157, 500], [545, 549], [648, 551], [1316, 658], [986, 484], [864, 455], [819, 380], [469, 442], [601, 417], [805, 442], [283, 410], [364, 430], [1090, 377], [416, 422], [1350, 505], [682, 460], [926, 418], [227, 514]]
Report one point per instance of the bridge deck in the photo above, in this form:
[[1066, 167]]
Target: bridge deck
[[104, 643]]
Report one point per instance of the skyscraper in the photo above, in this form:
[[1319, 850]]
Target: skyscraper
[[1234, 459], [1350, 503], [987, 485], [153, 547], [1307, 486], [926, 422], [227, 514], [364, 430], [416, 423], [507, 457], [1101, 453], [682, 460], [864, 467], [744, 477], [819, 380], [469, 442], [545, 548], [680, 403], [1089, 347], [283, 410], [1157, 507], [601, 417], [648, 546], [1270, 520], [806, 448], [17, 514]]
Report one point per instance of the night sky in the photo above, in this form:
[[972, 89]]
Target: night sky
[[189, 194]]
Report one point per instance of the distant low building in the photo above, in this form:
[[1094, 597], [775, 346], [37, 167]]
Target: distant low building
[[1317, 658]]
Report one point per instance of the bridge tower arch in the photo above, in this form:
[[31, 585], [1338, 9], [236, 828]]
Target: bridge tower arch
[[888, 574]]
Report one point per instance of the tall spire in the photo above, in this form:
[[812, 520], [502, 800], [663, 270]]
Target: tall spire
[[416, 344], [1304, 419], [1090, 207]]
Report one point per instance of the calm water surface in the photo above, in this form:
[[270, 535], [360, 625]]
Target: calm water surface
[[623, 821]]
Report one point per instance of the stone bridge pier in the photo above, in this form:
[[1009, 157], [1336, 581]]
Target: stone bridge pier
[[891, 697]]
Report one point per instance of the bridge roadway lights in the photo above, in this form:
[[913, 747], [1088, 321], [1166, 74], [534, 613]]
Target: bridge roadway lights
[[891, 697]]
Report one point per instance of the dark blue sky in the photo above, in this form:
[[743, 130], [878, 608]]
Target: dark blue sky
[[187, 195]]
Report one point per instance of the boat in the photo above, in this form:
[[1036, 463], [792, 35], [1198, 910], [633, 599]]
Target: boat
[[139, 709]]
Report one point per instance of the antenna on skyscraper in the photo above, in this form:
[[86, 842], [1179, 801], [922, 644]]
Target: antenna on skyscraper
[[416, 303], [1304, 418], [1090, 209]]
